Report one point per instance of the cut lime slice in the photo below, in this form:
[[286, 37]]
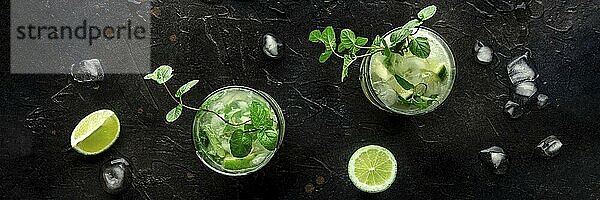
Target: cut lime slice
[[96, 132], [372, 169], [233, 163]]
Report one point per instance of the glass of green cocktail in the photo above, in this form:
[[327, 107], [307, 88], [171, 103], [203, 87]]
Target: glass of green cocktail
[[430, 79], [241, 133], [410, 70]]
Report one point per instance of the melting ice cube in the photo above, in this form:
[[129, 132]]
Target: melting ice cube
[[526, 89], [483, 53], [513, 109], [116, 176], [386, 93], [542, 100], [549, 147], [495, 158], [87, 70], [519, 70], [272, 47]]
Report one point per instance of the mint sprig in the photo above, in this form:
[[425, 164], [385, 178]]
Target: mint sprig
[[260, 126], [401, 41]]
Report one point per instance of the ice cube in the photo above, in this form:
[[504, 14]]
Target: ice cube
[[484, 53], [259, 158], [549, 147], [495, 158], [386, 93], [87, 70], [513, 109], [526, 89], [116, 176], [542, 100], [519, 70], [272, 47]]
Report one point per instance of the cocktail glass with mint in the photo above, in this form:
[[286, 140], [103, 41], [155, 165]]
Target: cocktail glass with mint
[[236, 130], [409, 84], [248, 137], [409, 70]]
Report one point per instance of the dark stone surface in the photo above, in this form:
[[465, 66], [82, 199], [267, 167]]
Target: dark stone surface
[[218, 42]]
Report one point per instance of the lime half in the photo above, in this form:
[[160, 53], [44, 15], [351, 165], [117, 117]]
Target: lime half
[[96, 132], [372, 169]]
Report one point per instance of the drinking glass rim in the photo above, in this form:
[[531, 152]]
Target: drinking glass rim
[[280, 124]]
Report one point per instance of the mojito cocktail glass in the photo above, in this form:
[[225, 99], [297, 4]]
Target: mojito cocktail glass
[[432, 77], [231, 112]]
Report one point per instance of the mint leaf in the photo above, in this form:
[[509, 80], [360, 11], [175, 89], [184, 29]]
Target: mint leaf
[[347, 61], [404, 83], [268, 138], [376, 41], [347, 41], [328, 37], [344, 46], [419, 47], [399, 35], [347, 36], [315, 36], [161, 75], [260, 116], [325, 55], [150, 76], [411, 24], [240, 143], [185, 88], [376, 44], [361, 41], [174, 113], [427, 12]]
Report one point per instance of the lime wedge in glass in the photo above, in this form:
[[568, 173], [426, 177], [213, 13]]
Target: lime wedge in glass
[[233, 163], [96, 132], [372, 169]]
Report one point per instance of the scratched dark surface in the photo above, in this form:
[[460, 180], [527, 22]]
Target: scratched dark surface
[[218, 42]]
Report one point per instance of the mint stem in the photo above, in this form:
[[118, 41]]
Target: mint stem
[[180, 101]]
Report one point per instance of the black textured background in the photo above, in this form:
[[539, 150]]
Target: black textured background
[[218, 43]]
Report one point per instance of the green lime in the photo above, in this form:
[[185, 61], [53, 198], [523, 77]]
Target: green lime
[[372, 169], [96, 132], [233, 163]]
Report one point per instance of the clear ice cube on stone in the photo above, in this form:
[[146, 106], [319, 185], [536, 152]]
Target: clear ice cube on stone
[[483, 53], [116, 176], [494, 158], [87, 70], [549, 147], [519, 70], [513, 109], [542, 100], [271, 46], [526, 89]]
